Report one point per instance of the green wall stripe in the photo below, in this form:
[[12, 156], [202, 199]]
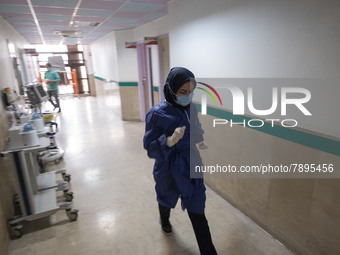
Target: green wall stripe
[[310, 140], [123, 83], [103, 79], [155, 89], [128, 84], [99, 78]]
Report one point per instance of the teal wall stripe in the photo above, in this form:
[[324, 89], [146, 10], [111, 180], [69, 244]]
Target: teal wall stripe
[[128, 84], [155, 89], [99, 78], [310, 140], [103, 79], [123, 83]]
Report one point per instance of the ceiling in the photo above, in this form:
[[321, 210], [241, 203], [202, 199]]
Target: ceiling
[[80, 21]]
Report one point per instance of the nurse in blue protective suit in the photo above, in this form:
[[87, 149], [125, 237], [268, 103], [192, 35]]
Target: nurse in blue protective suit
[[171, 134]]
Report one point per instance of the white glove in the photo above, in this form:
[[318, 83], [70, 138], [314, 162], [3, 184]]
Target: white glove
[[202, 146], [176, 136], [46, 80]]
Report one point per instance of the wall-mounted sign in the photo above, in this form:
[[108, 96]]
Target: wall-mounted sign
[[130, 45], [31, 52], [150, 40]]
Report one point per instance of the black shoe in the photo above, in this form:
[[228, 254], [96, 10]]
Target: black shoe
[[166, 226], [59, 110]]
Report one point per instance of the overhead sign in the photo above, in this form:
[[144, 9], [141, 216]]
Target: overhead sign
[[31, 52], [130, 45], [150, 40]]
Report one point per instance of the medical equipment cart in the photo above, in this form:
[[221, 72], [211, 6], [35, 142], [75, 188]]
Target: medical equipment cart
[[37, 197]]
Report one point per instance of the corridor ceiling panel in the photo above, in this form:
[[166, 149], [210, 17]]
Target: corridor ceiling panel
[[77, 21]]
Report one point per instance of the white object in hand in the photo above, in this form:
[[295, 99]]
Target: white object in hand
[[176, 136]]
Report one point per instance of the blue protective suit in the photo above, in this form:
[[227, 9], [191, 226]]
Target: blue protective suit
[[172, 164]]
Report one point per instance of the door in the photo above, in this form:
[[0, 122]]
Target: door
[[153, 66], [164, 61], [144, 104]]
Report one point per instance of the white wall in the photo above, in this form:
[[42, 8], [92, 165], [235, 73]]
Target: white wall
[[263, 39], [127, 64], [7, 79], [127, 58], [154, 28], [104, 57], [88, 58], [120, 63], [7, 76], [256, 38]]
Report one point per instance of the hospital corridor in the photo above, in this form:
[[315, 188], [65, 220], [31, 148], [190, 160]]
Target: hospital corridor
[[114, 193], [169, 127]]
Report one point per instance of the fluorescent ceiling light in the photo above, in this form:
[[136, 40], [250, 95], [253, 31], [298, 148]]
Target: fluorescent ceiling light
[[67, 32], [84, 24], [36, 21]]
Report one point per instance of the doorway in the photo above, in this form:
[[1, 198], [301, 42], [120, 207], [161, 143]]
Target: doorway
[[153, 67], [73, 59]]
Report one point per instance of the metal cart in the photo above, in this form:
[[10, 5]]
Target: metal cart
[[37, 192]]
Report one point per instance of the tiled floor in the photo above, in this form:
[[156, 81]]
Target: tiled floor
[[114, 193]]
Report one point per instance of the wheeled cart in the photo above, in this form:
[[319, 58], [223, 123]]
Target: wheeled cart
[[53, 153], [37, 194], [47, 180]]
